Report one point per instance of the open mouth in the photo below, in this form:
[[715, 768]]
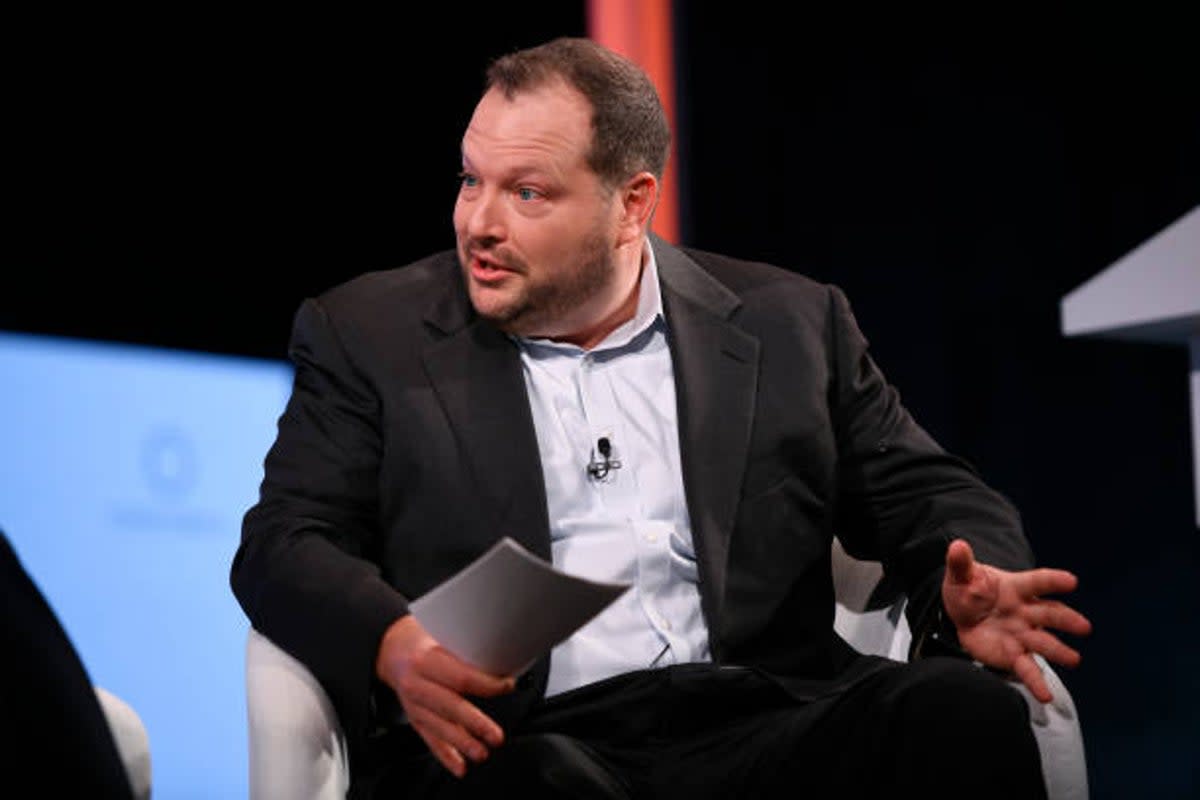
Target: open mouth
[[487, 269]]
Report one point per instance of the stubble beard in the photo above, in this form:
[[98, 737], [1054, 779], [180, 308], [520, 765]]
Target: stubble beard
[[541, 305]]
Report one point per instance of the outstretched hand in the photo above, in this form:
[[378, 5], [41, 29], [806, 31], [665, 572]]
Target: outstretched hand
[[1003, 619], [432, 685]]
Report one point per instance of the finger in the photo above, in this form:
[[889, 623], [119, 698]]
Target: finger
[[1036, 582], [445, 753], [1057, 615], [1030, 674], [442, 730], [960, 560], [445, 703], [451, 671], [1050, 646]]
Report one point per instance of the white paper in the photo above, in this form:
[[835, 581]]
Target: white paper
[[508, 608]]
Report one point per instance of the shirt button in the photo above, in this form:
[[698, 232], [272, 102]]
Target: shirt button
[[651, 537]]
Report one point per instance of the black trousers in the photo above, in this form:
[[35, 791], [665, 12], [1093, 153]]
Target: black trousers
[[940, 727]]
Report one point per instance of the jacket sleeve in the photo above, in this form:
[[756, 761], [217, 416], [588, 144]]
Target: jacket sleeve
[[305, 572], [901, 498]]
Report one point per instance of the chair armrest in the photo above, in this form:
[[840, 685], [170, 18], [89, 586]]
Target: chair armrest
[[885, 632], [1059, 737], [133, 743], [297, 748]]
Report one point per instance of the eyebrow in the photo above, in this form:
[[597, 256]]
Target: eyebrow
[[517, 172]]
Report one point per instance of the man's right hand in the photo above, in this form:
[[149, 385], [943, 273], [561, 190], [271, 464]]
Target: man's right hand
[[431, 684]]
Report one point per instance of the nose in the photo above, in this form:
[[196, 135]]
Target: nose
[[481, 218]]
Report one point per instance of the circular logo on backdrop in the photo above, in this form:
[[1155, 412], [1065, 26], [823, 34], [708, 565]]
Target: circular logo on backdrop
[[169, 463]]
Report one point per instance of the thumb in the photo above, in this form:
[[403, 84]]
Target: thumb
[[960, 562]]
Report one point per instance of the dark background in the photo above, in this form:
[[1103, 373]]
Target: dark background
[[184, 181]]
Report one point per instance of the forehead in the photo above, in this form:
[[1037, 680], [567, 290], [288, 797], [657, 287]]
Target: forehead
[[552, 122]]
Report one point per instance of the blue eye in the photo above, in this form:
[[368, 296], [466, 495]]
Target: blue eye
[[468, 180], [525, 193]]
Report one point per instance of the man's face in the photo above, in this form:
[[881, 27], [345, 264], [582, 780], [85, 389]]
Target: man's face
[[536, 227]]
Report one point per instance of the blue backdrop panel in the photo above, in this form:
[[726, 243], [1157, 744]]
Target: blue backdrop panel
[[125, 474]]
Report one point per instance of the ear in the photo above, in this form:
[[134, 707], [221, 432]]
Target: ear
[[637, 197]]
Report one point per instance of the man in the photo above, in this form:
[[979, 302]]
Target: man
[[699, 426]]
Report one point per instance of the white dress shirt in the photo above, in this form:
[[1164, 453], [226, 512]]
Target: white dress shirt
[[630, 525]]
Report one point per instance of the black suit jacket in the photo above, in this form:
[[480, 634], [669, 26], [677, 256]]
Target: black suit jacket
[[408, 448]]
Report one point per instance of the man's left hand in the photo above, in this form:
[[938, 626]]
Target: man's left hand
[[1003, 619]]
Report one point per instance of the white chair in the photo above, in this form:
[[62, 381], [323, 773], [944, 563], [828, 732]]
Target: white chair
[[133, 743], [298, 750]]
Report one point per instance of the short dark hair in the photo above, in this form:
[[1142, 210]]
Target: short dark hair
[[630, 133]]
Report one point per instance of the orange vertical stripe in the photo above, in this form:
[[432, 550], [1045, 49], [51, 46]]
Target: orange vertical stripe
[[641, 31]]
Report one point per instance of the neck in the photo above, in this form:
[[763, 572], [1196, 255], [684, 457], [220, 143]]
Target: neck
[[630, 264]]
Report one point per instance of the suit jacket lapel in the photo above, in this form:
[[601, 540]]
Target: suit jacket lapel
[[476, 371], [716, 372]]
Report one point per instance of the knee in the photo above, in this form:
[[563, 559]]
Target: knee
[[955, 718], [948, 690], [548, 765]]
